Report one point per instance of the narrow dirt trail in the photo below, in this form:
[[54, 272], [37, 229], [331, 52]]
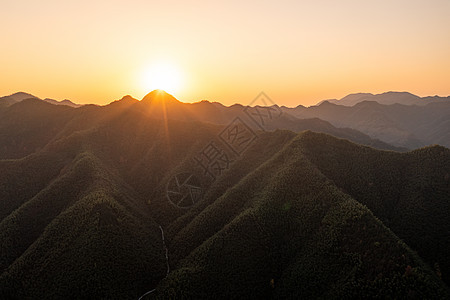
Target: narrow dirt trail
[[166, 251]]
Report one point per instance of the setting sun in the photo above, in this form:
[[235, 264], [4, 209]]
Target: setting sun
[[163, 76], [225, 149]]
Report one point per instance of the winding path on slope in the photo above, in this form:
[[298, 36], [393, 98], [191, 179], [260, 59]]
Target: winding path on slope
[[167, 262]]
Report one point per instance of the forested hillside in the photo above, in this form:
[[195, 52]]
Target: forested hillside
[[410, 126], [88, 194]]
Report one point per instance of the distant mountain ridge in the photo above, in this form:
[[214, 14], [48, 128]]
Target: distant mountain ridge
[[84, 193], [20, 96], [387, 98], [410, 126], [411, 122], [160, 104]]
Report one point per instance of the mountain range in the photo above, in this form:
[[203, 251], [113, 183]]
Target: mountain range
[[392, 120], [399, 125], [388, 98], [20, 96], [177, 200]]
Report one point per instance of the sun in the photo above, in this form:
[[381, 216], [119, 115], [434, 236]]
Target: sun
[[162, 76]]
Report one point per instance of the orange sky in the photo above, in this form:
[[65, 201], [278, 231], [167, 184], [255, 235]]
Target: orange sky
[[298, 52]]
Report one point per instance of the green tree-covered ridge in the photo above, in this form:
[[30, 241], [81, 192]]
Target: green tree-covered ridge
[[297, 215]]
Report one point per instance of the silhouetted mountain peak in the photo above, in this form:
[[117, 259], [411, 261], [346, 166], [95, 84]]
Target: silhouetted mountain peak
[[237, 105], [326, 103], [387, 98], [159, 97], [63, 102], [356, 97], [19, 96], [125, 101], [394, 93], [326, 100], [128, 98]]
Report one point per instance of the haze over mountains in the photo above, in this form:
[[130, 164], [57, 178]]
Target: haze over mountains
[[394, 118], [400, 119], [20, 96], [252, 202], [388, 98]]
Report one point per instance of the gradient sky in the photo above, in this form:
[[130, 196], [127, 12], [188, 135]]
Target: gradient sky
[[298, 52]]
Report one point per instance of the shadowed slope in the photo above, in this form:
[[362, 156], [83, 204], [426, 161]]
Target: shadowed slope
[[80, 217], [409, 192], [286, 230]]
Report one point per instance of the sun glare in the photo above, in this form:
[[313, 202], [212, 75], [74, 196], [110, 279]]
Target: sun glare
[[162, 76]]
